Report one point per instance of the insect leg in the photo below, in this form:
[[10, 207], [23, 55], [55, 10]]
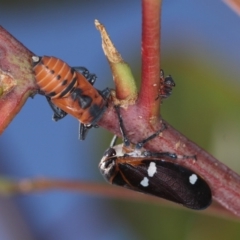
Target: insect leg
[[84, 71], [58, 113], [140, 144], [167, 155], [83, 130], [160, 154], [125, 138], [105, 93]]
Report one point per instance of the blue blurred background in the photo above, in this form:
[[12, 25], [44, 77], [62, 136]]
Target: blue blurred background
[[200, 49]]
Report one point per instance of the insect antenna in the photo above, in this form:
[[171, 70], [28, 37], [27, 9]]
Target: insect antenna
[[121, 125], [126, 141], [114, 140]]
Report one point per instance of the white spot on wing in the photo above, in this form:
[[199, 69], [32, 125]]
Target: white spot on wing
[[193, 178], [152, 169], [144, 182]]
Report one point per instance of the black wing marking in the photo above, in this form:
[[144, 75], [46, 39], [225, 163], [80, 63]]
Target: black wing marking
[[169, 181]]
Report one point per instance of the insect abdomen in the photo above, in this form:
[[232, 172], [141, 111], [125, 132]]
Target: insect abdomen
[[54, 77], [68, 89]]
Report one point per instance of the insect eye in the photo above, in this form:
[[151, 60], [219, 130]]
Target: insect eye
[[109, 164], [110, 152]]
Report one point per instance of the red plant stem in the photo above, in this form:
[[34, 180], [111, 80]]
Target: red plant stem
[[16, 70], [150, 58], [234, 5]]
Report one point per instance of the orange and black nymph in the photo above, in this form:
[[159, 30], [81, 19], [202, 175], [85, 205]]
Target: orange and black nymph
[[70, 91]]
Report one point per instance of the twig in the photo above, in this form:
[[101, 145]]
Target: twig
[[16, 79], [27, 186], [234, 5], [140, 119], [150, 59]]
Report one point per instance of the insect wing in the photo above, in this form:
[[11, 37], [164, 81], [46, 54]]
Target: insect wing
[[166, 180]]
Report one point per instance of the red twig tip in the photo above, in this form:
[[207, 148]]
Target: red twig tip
[[150, 57]]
